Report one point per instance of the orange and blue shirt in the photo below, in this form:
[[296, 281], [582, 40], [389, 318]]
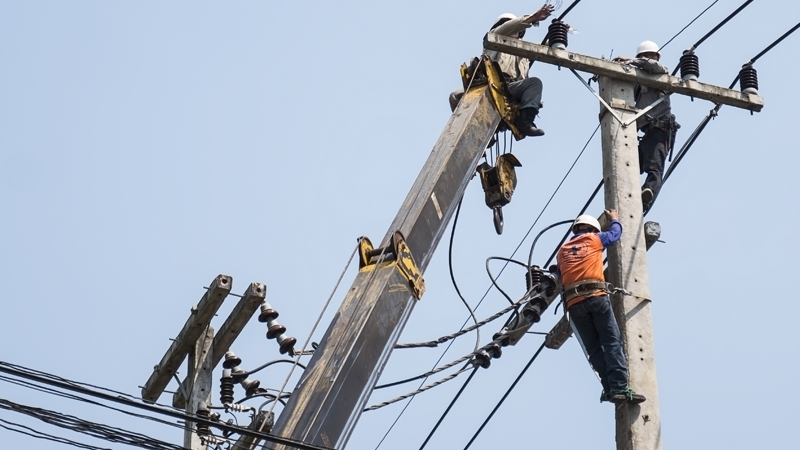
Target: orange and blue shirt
[[581, 258]]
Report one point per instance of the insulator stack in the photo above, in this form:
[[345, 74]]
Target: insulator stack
[[231, 360], [533, 276], [557, 34], [226, 387], [690, 65], [748, 79], [482, 359], [203, 412], [276, 331], [250, 386], [267, 313], [494, 350]]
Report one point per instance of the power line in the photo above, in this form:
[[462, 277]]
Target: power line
[[688, 25], [25, 373]]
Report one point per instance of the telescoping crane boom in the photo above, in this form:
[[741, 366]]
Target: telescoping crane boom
[[334, 389]]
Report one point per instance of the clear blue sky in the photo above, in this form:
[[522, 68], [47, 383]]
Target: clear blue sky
[[146, 147]]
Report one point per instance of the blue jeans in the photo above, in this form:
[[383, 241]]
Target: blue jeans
[[594, 321]]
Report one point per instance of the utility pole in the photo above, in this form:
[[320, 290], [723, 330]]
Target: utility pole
[[204, 350], [638, 427]]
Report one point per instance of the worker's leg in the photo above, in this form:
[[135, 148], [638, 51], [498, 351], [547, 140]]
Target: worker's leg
[[581, 316], [455, 97], [652, 156], [528, 92], [608, 335]]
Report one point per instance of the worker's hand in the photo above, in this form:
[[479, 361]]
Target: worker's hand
[[543, 13], [612, 214], [621, 59]]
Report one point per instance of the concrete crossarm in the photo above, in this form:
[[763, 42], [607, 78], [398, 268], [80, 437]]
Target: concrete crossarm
[[234, 324], [195, 326], [604, 67]]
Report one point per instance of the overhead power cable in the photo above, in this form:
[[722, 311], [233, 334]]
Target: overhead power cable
[[714, 30], [689, 24], [89, 428], [503, 399], [25, 373], [713, 113]]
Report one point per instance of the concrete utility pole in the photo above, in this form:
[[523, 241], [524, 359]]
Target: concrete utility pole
[[638, 427], [204, 349]]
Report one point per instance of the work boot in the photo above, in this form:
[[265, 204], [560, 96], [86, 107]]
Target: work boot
[[626, 396], [525, 123], [604, 397], [647, 198]]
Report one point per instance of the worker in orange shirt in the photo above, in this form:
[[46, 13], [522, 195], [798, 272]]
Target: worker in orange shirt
[[586, 298]]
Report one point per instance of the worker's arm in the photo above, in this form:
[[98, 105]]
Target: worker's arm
[[543, 13], [649, 65], [608, 238]]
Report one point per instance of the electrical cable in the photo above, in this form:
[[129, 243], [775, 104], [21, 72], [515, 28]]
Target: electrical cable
[[265, 365], [713, 30], [89, 428], [533, 245], [503, 399], [688, 25], [314, 328], [48, 437], [25, 373], [449, 407], [453, 277], [713, 113], [452, 336], [494, 280]]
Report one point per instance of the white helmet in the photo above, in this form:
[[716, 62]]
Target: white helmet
[[505, 16], [586, 219], [647, 46]]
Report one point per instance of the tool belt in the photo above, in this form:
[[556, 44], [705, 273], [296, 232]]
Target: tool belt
[[583, 287], [666, 122]]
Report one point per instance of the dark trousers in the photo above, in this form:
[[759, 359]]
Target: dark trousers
[[653, 150], [594, 321], [527, 92]]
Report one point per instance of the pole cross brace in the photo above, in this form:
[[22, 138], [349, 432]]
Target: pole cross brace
[[398, 254], [610, 109]]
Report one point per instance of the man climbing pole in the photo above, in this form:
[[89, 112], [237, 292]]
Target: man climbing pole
[[525, 90], [659, 125], [586, 299]]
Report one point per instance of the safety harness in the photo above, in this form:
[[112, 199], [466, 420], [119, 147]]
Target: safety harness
[[584, 287]]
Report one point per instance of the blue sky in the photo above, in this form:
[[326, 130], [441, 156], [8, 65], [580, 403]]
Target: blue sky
[[146, 147]]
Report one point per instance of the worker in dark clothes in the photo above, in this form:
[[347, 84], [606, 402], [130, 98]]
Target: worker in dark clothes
[[586, 298], [659, 125]]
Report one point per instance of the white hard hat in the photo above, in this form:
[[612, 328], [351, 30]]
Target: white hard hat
[[647, 46], [505, 16], [586, 219]]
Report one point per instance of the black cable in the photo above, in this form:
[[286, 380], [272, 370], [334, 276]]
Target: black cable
[[714, 30], [450, 406], [688, 25], [511, 388], [494, 280], [23, 372], [452, 273], [713, 113], [721, 24], [566, 11], [265, 365], [533, 245], [48, 437]]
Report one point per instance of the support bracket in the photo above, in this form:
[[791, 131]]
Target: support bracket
[[397, 253]]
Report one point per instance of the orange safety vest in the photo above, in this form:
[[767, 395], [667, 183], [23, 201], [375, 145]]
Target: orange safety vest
[[581, 260]]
